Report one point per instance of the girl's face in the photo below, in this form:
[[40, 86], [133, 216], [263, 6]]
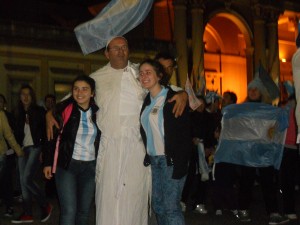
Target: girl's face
[[148, 77], [25, 97], [254, 94], [82, 94]]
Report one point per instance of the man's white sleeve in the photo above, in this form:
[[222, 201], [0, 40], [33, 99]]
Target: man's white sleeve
[[296, 77]]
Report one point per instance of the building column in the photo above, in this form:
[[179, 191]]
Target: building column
[[181, 39], [197, 43], [259, 37], [249, 63], [273, 48]]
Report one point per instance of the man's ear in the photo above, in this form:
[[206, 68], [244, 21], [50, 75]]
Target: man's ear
[[106, 54], [160, 76]]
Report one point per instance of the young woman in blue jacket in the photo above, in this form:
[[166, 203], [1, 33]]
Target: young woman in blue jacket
[[168, 144], [78, 148]]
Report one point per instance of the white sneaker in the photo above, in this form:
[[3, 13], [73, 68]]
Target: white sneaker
[[276, 218], [235, 212], [243, 216], [183, 206], [219, 212], [292, 216], [201, 209]]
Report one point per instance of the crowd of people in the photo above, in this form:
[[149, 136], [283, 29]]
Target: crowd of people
[[126, 139]]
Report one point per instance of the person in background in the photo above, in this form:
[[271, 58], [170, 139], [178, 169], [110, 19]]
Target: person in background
[[50, 187], [290, 159], [8, 147], [256, 93], [168, 63], [30, 134], [194, 193], [225, 174], [229, 97], [78, 148], [49, 101], [168, 144]]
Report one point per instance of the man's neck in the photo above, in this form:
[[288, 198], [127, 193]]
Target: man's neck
[[119, 67]]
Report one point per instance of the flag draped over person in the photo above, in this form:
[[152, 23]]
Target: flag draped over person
[[193, 100], [116, 19], [253, 134]]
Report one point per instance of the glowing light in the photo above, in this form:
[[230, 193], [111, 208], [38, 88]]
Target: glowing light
[[283, 60]]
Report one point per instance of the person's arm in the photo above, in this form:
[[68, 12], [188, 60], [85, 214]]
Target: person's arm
[[296, 78], [181, 99], [9, 136], [50, 119]]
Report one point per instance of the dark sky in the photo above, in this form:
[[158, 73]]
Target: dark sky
[[65, 13]]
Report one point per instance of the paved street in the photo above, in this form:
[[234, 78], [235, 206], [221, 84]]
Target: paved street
[[258, 214]]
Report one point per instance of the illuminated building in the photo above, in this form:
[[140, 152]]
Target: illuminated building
[[224, 40]]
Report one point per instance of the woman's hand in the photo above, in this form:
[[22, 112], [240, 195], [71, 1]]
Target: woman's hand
[[50, 122], [48, 172]]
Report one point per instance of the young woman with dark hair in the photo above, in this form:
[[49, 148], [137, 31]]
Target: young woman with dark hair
[[30, 133], [78, 148]]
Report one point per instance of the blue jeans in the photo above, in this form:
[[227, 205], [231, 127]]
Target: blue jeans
[[75, 189], [28, 166], [166, 192]]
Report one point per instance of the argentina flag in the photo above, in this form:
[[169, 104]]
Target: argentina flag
[[253, 134], [116, 19]]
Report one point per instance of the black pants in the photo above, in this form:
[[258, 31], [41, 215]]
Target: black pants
[[224, 186], [7, 180], [195, 190], [266, 177], [228, 175], [288, 172]]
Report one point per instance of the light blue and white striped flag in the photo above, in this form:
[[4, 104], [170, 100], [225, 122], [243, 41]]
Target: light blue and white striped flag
[[116, 19], [252, 134]]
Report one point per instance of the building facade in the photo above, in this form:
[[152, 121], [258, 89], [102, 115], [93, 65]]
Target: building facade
[[223, 41]]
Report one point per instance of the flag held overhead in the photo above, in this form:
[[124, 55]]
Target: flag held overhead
[[116, 19]]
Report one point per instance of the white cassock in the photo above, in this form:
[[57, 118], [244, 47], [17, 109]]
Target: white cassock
[[122, 181]]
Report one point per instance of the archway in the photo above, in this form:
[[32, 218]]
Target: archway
[[227, 60]]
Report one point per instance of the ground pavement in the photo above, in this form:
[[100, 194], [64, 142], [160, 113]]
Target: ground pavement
[[257, 212]]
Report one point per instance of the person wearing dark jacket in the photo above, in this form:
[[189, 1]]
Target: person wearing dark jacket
[[168, 144], [30, 133], [77, 148]]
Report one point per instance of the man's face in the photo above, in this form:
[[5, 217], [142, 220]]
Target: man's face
[[168, 66], [49, 103], [117, 53]]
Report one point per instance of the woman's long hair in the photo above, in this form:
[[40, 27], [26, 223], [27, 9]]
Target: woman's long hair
[[20, 107]]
